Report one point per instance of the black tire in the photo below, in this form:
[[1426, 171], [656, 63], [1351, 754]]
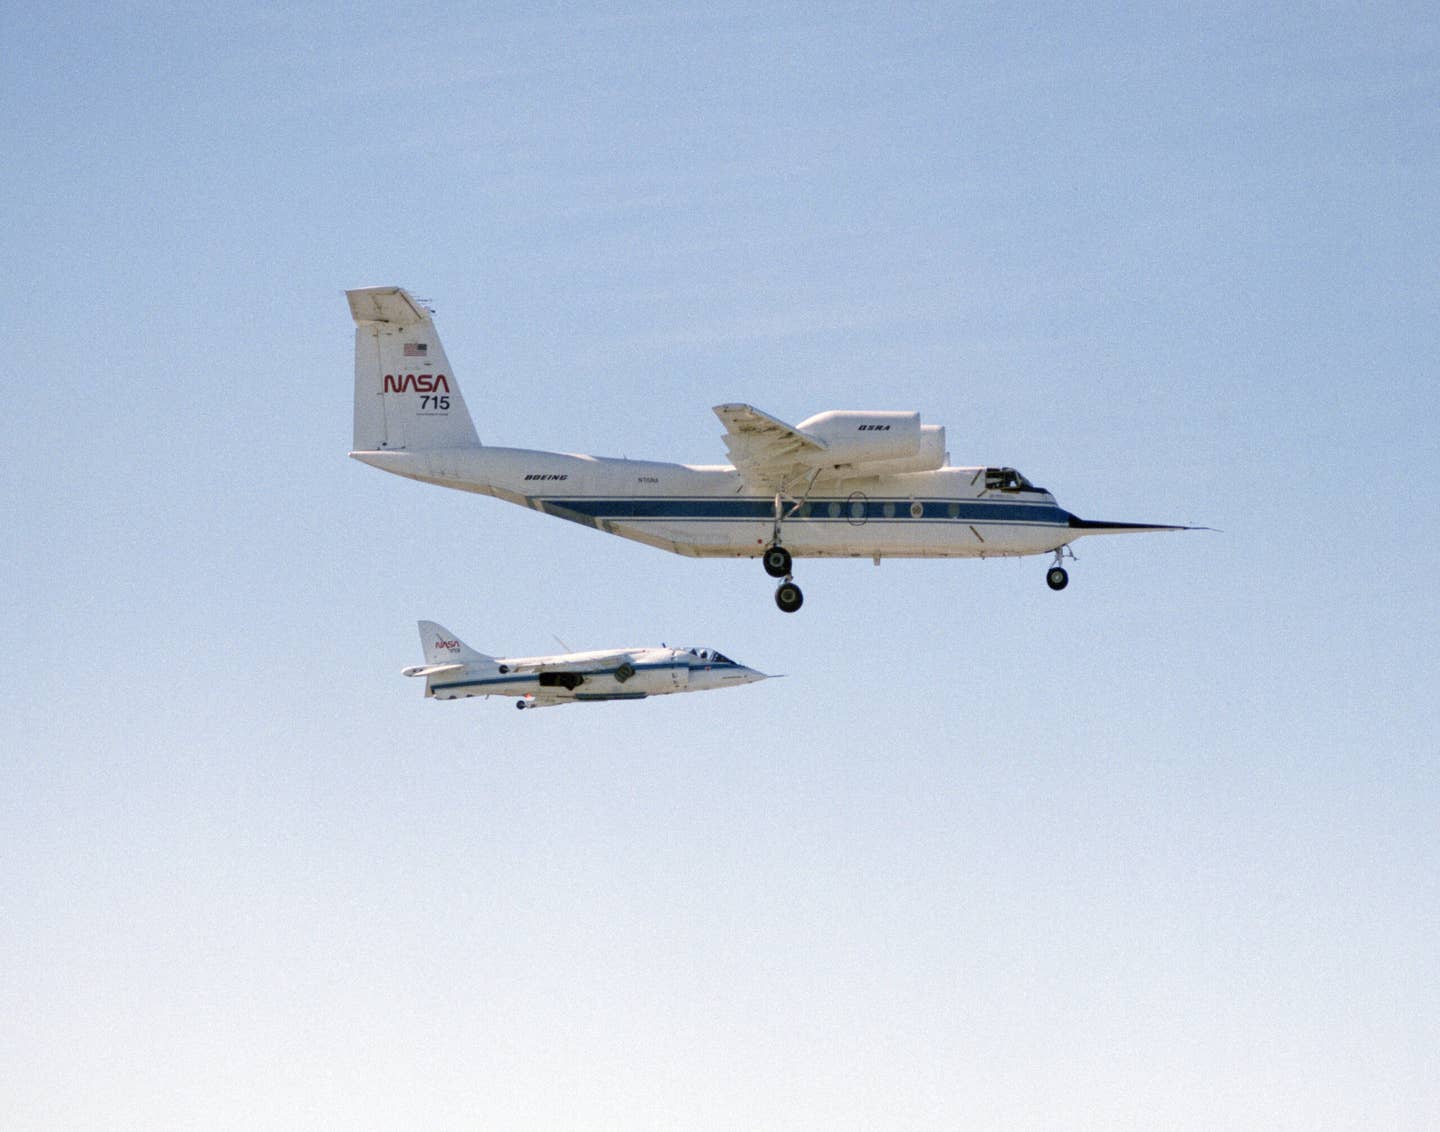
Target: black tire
[[788, 597], [1056, 578], [777, 561]]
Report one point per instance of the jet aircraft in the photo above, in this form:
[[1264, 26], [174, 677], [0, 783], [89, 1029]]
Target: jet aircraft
[[454, 671], [840, 484]]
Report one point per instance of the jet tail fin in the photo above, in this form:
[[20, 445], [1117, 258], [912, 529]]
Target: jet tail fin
[[443, 647]]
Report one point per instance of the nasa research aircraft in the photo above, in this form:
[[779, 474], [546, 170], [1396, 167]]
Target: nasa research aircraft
[[841, 484], [454, 671]]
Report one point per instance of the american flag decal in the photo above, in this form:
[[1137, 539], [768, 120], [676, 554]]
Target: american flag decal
[[415, 349]]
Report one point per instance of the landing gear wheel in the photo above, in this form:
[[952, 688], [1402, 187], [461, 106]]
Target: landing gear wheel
[[788, 597], [777, 561], [1056, 578]]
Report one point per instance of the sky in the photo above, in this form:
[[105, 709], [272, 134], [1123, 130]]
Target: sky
[[1161, 850]]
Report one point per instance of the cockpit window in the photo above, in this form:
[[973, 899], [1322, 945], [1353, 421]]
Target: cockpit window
[[710, 656], [1006, 479]]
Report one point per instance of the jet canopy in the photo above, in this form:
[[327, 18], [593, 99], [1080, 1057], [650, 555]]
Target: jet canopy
[[710, 656]]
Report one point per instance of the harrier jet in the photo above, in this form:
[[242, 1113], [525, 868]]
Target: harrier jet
[[453, 671]]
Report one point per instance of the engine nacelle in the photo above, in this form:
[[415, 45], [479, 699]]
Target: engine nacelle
[[877, 443], [929, 458]]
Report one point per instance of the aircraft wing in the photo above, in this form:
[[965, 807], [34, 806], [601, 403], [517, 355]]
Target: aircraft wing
[[764, 448], [593, 662]]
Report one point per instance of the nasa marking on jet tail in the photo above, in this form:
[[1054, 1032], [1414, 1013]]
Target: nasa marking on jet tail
[[454, 671], [842, 484]]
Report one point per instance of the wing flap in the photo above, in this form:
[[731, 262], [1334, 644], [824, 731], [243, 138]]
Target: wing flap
[[764, 449]]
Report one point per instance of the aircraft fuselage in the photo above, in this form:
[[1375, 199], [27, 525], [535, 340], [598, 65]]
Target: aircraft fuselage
[[632, 674], [706, 511]]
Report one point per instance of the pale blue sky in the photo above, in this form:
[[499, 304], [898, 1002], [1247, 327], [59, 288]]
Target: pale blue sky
[[1159, 851]]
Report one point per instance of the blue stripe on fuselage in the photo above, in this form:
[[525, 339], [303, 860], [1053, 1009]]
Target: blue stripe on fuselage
[[527, 677], [592, 509]]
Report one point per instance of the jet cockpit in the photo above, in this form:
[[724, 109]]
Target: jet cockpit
[[708, 656]]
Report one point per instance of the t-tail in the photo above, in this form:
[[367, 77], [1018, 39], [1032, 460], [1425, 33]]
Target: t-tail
[[406, 396]]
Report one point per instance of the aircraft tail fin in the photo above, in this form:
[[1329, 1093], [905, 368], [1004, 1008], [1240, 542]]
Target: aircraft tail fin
[[406, 395], [444, 647]]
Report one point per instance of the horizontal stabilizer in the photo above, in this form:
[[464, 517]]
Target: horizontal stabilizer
[[386, 306], [431, 669]]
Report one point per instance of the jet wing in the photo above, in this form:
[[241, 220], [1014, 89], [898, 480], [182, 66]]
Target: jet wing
[[764, 449], [591, 663]]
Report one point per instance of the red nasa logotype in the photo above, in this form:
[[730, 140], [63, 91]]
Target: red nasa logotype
[[416, 383], [451, 645]]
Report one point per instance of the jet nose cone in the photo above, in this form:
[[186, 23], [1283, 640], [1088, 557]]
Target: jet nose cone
[[750, 675]]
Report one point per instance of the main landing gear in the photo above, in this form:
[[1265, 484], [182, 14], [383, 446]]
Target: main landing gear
[[777, 563], [1056, 577], [788, 596]]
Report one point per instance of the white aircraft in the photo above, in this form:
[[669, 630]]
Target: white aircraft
[[454, 671], [840, 484]]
